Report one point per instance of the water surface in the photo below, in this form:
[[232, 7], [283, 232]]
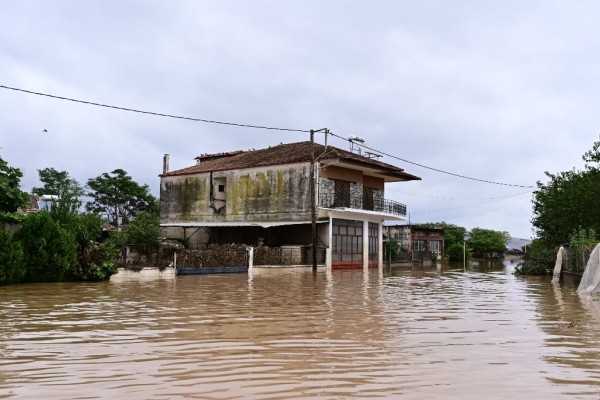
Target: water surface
[[289, 333]]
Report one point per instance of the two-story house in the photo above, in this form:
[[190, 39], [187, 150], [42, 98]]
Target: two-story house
[[264, 196], [424, 242]]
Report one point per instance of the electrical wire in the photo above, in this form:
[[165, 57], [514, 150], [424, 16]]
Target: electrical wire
[[460, 219], [487, 212], [429, 168], [153, 113], [456, 208], [458, 198], [254, 127]]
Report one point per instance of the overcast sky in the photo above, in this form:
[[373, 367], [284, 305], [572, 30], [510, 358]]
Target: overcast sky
[[495, 90]]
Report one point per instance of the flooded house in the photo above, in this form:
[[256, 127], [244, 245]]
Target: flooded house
[[262, 197], [421, 242]]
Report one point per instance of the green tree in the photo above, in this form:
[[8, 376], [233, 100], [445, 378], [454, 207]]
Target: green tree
[[453, 240], [538, 260], [563, 208], [568, 201], [118, 195], [11, 196], [581, 243], [60, 184], [456, 252], [50, 250], [87, 232], [144, 230], [12, 264], [392, 247], [487, 241]]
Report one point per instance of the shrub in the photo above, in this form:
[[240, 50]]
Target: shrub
[[97, 261], [538, 260], [100, 272], [12, 264], [50, 251], [456, 252]]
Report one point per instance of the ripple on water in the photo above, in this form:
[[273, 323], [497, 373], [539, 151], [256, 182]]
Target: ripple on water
[[294, 334]]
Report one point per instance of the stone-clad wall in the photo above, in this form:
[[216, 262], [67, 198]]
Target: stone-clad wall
[[326, 188], [377, 197], [327, 191], [356, 195]]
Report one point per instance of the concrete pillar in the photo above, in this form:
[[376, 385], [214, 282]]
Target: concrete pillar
[[329, 250], [366, 244], [380, 244], [250, 257]]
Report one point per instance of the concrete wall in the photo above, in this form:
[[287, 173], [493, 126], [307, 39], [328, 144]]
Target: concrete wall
[[278, 193], [352, 175], [344, 174]]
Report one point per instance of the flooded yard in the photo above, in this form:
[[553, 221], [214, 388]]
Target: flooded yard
[[290, 333]]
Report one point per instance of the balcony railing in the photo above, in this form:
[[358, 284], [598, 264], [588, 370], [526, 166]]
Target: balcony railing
[[386, 206]]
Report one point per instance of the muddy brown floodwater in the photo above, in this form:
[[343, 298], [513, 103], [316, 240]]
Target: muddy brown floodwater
[[290, 334]]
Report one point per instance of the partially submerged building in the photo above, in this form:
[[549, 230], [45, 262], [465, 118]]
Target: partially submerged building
[[421, 241], [263, 197]]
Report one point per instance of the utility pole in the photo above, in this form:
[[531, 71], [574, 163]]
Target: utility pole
[[313, 200], [313, 205]]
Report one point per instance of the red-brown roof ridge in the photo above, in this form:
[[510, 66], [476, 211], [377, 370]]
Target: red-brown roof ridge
[[288, 153]]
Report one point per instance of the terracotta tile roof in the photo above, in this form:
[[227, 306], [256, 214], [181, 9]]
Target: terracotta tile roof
[[289, 153]]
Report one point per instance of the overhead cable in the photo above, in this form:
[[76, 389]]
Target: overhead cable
[[430, 168], [153, 113], [478, 215], [458, 198], [254, 127], [460, 207], [487, 212]]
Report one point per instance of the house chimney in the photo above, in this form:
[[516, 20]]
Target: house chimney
[[166, 164]]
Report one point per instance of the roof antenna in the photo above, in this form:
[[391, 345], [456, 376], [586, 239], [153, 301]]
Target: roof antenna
[[353, 140]]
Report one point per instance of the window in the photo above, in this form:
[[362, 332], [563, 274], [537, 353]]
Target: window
[[435, 246], [342, 194], [219, 186], [373, 241], [347, 242], [368, 203], [418, 245]]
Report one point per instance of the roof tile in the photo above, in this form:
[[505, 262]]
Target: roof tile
[[289, 153]]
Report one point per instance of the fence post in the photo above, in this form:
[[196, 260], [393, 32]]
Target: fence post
[[250, 257]]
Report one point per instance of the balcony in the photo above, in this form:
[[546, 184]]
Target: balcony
[[327, 200]]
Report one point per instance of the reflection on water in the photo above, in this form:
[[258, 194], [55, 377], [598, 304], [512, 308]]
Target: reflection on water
[[474, 332]]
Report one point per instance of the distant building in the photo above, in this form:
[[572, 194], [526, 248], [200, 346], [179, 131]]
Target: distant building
[[263, 196], [423, 241], [33, 206]]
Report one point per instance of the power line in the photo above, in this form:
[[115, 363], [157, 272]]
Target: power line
[[460, 207], [430, 168], [153, 113], [481, 214], [487, 212], [251, 126], [458, 198]]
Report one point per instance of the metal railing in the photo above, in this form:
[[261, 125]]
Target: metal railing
[[327, 200]]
